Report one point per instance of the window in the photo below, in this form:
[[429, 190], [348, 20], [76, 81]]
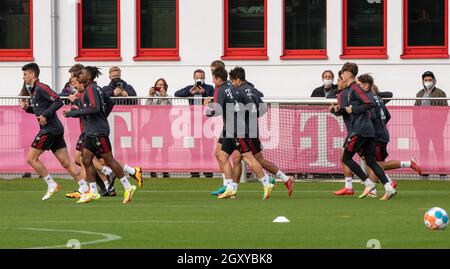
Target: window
[[425, 29], [157, 30], [305, 29], [365, 27], [98, 30], [245, 30], [16, 35]]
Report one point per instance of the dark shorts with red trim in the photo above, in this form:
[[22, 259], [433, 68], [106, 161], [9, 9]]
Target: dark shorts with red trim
[[97, 144], [354, 144], [80, 146], [248, 145], [381, 153], [49, 142], [363, 146]]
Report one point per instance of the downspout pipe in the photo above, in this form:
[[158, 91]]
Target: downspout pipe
[[54, 45]]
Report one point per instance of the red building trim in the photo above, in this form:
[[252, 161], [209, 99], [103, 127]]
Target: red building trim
[[159, 54], [97, 54], [20, 55], [363, 52]]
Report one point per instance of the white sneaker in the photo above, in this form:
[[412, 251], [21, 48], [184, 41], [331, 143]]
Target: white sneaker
[[388, 195], [51, 191]]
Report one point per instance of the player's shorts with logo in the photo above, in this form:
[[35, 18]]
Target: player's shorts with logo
[[49, 142], [361, 145], [248, 144], [97, 144], [80, 145]]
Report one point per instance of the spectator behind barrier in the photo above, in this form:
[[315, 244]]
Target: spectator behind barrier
[[199, 89], [430, 125], [119, 88], [159, 90], [328, 89], [430, 90]]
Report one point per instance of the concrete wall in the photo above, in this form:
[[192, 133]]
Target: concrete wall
[[201, 41]]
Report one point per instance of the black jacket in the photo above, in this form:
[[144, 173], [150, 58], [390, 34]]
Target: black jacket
[[186, 92], [320, 92], [109, 91], [44, 101], [361, 117], [95, 108]]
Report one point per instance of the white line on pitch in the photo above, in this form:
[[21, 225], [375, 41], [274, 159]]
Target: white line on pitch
[[107, 237]]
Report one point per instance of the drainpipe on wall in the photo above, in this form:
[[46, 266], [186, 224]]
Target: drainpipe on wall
[[54, 45]]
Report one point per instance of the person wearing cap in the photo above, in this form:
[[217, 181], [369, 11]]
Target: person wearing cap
[[429, 124], [430, 90]]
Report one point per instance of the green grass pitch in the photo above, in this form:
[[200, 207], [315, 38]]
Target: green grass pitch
[[180, 213]]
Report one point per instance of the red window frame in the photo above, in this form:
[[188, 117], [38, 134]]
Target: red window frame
[[423, 52], [97, 54], [17, 55], [303, 54], [244, 53], [159, 54], [363, 52]]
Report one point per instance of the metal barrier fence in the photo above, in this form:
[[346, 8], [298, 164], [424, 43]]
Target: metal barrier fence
[[302, 123]]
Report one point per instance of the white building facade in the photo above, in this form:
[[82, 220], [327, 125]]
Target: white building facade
[[285, 45]]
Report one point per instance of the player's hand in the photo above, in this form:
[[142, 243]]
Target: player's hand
[[24, 104], [348, 109], [194, 90], [117, 92], [65, 111], [42, 120]]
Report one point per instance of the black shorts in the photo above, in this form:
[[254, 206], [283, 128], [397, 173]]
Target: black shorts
[[49, 142], [228, 145], [220, 141], [381, 153], [97, 144], [354, 144], [80, 146], [364, 146], [248, 144]]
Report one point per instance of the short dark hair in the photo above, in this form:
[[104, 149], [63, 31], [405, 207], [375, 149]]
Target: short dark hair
[[199, 71], [94, 71], [350, 67], [328, 71], [340, 74], [220, 73], [366, 78], [33, 67], [76, 69], [218, 64], [237, 73]]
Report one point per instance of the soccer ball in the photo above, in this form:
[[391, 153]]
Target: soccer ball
[[436, 219]]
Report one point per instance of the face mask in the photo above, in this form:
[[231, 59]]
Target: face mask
[[327, 83], [428, 84], [201, 81]]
